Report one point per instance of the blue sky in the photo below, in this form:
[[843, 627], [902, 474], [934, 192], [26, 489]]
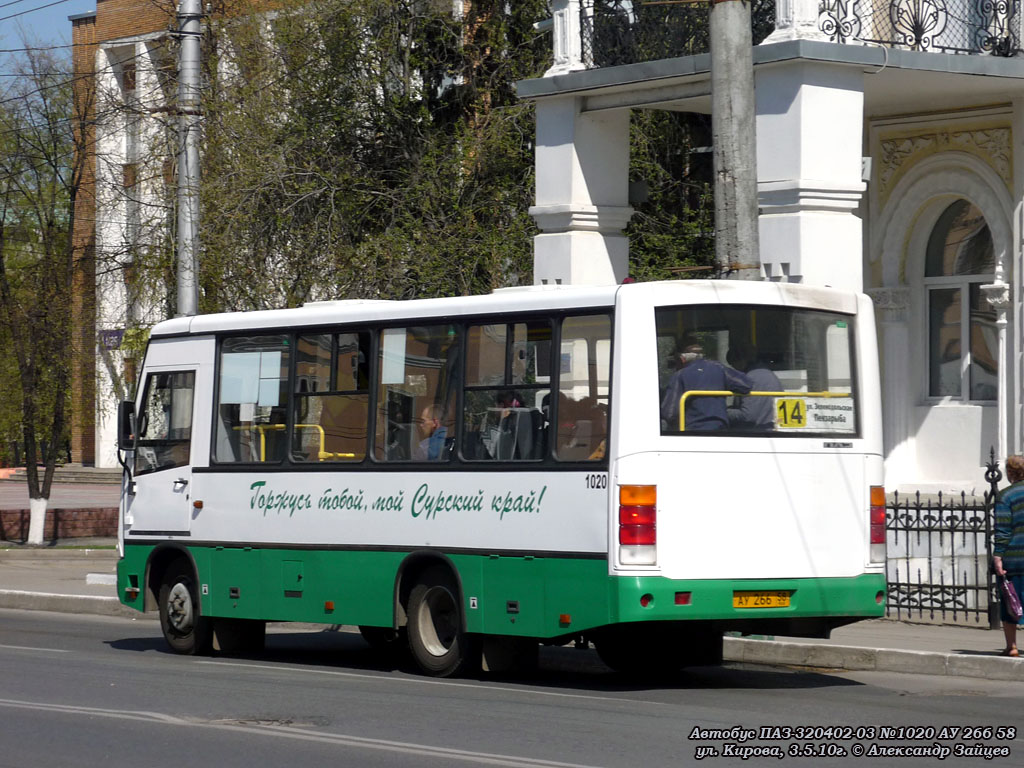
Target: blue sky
[[45, 26]]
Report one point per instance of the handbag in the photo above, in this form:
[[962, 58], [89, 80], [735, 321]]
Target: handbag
[[1009, 596]]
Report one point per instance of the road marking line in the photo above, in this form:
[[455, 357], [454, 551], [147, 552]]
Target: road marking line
[[27, 648], [288, 732], [428, 681]]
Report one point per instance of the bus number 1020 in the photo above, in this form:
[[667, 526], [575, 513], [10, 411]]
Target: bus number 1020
[[597, 481]]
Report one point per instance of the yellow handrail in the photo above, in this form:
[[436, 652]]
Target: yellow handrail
[[727, 393], [322, 454]]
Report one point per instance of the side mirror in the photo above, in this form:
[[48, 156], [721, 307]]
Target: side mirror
[[126, 425]]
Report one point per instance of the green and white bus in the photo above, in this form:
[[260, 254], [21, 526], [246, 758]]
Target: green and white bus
[[479, 475]]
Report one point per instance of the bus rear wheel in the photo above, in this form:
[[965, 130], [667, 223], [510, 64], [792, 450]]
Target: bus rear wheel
[[438, 643], [645, 650], [185, 629]]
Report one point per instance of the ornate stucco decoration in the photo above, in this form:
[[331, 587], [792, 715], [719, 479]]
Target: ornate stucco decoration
[[900, 153], [892, 301]]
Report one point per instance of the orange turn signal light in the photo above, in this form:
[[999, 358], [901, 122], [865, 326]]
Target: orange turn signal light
[[638, 495]]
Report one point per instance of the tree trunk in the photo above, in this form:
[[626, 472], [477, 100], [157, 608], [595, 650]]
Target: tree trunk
[[37, 520]]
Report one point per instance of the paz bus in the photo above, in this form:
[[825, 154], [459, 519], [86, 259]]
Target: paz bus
[[475, 476]]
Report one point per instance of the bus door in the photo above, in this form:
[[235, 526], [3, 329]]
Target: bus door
[[163, 452]]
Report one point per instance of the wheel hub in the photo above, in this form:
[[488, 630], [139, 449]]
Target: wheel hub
[[438, 623], [179, 608]]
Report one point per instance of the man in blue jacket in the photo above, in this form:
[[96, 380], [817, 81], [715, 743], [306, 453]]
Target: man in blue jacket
[[703, 413]]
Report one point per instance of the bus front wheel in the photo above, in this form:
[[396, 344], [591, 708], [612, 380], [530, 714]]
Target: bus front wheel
[[436, 639], [186, 630]]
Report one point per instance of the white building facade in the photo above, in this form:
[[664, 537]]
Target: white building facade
[[887, 162]]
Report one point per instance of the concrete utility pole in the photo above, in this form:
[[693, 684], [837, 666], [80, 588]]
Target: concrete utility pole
[[189, 14], [737, 252]]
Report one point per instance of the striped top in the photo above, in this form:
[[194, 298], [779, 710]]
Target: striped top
[[1008, 540]]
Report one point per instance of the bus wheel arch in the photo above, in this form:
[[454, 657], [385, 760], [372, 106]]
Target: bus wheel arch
[[409, 574], [162, 557], [436, 621], [185, 628]]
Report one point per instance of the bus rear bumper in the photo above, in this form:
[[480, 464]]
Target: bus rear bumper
[[794, 607]]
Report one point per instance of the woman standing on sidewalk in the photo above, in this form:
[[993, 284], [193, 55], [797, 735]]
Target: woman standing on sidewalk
[[1008, 542]]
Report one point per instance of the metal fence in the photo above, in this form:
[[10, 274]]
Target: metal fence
[[941, 26], [627, 31], [939, 550]]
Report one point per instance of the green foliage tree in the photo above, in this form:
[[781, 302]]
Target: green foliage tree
[[40, 174], [371, 149]]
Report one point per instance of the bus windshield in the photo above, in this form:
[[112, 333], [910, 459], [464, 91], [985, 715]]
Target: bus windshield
[[753, 370]]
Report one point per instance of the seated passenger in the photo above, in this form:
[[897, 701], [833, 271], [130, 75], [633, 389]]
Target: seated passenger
[[431, 446]]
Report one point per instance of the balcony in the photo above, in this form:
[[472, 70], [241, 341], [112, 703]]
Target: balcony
[[602, 33]]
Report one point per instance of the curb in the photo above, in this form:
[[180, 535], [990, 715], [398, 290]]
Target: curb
[[59, 553], [857, 659], [45, 601]]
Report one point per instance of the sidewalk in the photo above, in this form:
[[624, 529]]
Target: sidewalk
[[14, 495], [80, 579]]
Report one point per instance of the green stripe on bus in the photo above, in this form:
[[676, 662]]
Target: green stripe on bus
[[525, 596]]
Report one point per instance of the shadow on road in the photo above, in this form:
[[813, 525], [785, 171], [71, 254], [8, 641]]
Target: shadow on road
[[561, 668]]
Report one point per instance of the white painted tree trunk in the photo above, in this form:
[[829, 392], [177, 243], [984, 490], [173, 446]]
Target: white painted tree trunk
[[37, 520]]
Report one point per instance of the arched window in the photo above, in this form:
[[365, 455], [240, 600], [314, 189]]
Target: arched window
[[962, 340]]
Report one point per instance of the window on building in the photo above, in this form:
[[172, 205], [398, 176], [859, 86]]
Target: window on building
[[962, 338]]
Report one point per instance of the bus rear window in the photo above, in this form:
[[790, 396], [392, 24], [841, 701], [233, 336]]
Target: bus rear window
[[749, 370]]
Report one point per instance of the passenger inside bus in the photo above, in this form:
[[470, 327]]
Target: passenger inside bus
[[696, 373], [433, 435], [753, 413]]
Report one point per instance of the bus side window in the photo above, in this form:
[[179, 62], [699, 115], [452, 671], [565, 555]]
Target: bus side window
[[331, 401], [252, 399], [507, 383], [581, 409], [419, 375]]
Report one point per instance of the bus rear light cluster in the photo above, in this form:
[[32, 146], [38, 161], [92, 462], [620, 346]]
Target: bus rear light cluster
[[877, 540], [638, 529]]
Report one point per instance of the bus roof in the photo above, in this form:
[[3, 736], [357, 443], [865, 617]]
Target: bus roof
[[505, 300]]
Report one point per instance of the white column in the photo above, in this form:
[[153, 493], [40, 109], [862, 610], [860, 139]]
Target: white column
[[795, 20], [998, 295], [566, 38], [582, 202], [809, 147], [892, 304], [1015, 360]]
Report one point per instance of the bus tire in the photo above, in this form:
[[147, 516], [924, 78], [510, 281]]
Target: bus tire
[[437, 641], [185, 629], [642, 650]]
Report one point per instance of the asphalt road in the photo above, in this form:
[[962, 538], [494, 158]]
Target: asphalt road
[[103, 691]]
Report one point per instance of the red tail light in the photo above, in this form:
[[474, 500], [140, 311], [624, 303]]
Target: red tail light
[[638, 529], [877, 515], [876, 541], [637, 535]]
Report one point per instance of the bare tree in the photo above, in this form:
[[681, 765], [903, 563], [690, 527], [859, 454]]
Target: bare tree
[[42, 125]]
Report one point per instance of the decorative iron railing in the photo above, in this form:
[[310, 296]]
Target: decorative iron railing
[[627, 31], [624, 31], [940, 26], [939, 550]]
